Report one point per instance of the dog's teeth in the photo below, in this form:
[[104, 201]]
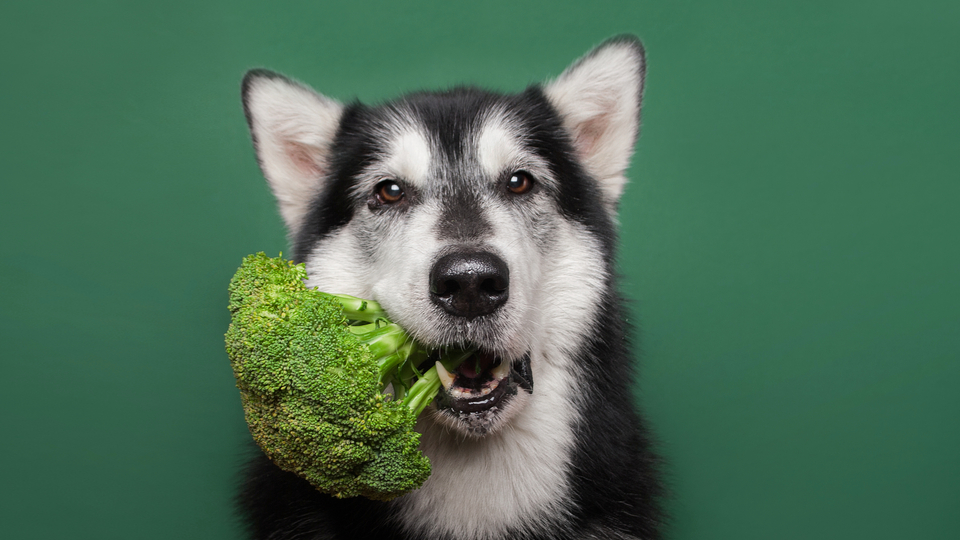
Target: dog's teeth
[[501, 371], [446, 379]]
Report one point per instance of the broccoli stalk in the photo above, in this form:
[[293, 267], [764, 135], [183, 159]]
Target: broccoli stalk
[[312, 369], [397, 356]]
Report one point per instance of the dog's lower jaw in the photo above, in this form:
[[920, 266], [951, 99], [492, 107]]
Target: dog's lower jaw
[[512, 479], [484, 422], [479, 401]]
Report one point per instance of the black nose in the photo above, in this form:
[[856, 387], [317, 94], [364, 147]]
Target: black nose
[[470, 284]]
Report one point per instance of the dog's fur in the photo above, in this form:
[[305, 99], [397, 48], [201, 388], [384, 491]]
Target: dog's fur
[[562, 455]]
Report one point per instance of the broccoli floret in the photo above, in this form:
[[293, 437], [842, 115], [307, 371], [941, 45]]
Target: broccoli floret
[[312, 368]]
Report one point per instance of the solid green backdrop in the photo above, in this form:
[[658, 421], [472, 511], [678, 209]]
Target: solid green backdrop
[[789, 239]]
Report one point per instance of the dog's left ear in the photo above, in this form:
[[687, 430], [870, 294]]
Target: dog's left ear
[[293, 130], [598, 99]]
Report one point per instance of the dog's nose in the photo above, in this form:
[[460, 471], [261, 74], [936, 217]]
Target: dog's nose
[[470, 284]]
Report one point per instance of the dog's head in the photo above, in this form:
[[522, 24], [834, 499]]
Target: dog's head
[[476, 219]]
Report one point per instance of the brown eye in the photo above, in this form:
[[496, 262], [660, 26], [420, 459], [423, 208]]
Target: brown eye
[[520, 182], [388, 192]]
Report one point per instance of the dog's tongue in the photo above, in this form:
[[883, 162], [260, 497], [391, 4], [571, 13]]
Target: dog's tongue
[[472, 367]]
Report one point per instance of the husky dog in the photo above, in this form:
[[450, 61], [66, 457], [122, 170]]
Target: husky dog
[[485, 220]]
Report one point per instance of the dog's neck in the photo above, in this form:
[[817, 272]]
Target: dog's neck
[[506, 481]]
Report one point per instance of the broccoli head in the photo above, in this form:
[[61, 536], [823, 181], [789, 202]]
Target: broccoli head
[[312, 368]]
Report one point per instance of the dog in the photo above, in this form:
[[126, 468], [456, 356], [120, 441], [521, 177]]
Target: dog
[[485, 220]]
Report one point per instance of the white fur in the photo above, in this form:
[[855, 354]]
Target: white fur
[[293, 127], [516, 477], [498, 146], [331, 266], [500, 149], [410, 158], [573, 281], [599, 100], [402, 270]]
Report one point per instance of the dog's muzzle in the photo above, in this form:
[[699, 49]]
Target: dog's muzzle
[[472, 285]]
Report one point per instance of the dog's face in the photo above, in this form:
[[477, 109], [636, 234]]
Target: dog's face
[[477, 220]]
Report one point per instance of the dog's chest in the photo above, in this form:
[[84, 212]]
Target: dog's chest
[[513, 480]]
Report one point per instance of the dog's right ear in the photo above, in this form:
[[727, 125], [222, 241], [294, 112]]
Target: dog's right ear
[[293, 129], [598, 99]]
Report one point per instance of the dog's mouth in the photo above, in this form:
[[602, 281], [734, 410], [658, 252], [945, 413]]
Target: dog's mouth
[[477, 392]]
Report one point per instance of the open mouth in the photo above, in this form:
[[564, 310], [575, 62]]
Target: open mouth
[[477, 392]]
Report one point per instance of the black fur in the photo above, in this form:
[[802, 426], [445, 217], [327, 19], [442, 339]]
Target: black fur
[[447, 115], [460, 219], [614, 480], [615, 472]]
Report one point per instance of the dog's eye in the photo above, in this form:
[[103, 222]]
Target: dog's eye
[[388, 192], [520, 182]]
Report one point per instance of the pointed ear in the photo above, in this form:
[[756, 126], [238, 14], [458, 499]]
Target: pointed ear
[[293, 129], [598, 99]]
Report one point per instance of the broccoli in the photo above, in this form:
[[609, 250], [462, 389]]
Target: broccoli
[[312, 369]]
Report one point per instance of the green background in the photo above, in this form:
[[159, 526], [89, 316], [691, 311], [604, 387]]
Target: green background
[[790, 238]]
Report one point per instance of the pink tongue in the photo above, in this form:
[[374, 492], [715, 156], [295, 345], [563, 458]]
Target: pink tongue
[[468, 368]]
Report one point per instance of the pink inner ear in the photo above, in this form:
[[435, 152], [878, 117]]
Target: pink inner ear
[[589, 133], [304, 157]]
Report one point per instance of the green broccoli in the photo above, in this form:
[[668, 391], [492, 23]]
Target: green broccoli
[[312, 367]]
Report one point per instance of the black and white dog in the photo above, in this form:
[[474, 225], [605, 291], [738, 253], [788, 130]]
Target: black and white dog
[[486, 220]]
